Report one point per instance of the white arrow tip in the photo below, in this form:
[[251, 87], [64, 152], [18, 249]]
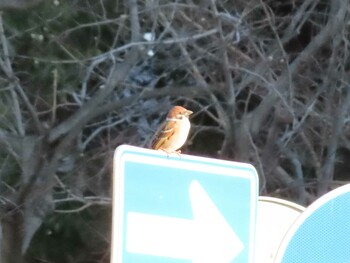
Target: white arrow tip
[[217, 242]]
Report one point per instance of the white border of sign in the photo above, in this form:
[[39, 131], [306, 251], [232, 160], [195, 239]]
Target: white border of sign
[[282, 202], [274, 218]]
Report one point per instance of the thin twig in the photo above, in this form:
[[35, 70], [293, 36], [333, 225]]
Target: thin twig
[[6, 66], [54, 96]]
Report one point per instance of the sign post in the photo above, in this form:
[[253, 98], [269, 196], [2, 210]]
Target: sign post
[[181, 208]]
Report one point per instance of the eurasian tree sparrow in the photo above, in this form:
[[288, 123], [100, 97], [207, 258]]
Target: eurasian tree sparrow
[[173, 133]]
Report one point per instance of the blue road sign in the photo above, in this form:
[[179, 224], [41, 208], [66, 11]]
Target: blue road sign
[[322, 232], [180, 208]]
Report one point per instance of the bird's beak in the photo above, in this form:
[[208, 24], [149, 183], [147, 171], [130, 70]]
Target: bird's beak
[[188, 113]]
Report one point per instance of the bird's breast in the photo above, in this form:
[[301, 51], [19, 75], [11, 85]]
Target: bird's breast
[[181, 133]]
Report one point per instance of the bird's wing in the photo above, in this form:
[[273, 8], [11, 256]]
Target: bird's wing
[[164, 132]]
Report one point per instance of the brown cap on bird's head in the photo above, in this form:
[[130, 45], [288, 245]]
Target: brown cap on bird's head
[[178, 110]]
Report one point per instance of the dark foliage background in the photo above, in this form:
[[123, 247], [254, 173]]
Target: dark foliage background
[[268, 82]]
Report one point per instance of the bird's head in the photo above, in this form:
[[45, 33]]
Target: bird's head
[[178, 112]]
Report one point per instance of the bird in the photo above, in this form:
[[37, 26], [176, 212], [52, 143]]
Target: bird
[[173, 132]]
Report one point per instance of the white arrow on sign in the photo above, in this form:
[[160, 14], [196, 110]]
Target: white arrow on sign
[[206, 238]]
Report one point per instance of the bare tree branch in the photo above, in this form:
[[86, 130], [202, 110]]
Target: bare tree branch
[[81, 117]]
